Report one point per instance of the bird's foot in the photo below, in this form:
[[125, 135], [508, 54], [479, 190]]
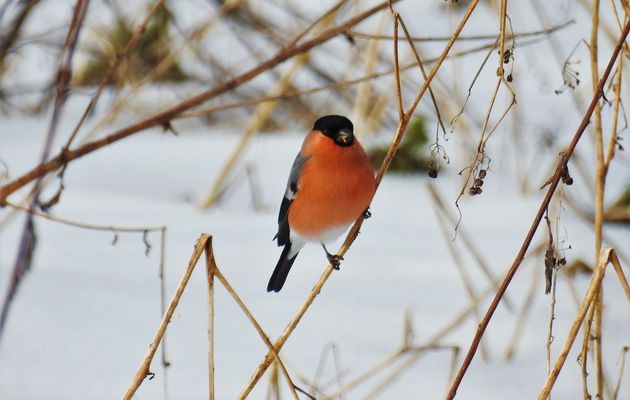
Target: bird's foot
[[334, 260], [367, 214]]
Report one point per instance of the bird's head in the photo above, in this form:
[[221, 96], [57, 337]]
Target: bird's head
[[336, 127]]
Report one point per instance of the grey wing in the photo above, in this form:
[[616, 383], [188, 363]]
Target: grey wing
[[287, 199]]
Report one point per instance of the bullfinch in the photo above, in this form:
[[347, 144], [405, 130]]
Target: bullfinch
[[331, 184]]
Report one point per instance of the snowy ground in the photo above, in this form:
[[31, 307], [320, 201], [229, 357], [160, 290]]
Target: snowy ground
[[86, 313]]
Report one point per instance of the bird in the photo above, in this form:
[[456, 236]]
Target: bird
[[331, 185]]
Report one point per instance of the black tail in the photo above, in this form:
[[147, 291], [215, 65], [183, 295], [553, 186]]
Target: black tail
[[281, 271]]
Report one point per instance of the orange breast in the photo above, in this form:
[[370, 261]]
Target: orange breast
[[335, 187]]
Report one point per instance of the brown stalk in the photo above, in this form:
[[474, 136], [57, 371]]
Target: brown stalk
[[217, 273], [354, 231], [502, 18], [143, 370], [420, 64], [209, 253], [583, 357], [112, 228], [600, 184], [165, 363], [166, 115], [612, 140], [534, 227], [592, 291], [546, 31], [624, 352], [606, 256]]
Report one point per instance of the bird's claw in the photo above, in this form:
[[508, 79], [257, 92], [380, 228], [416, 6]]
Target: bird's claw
[[334, 260], [367, 214]]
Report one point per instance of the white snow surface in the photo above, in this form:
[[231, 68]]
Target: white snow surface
[[87, 311]]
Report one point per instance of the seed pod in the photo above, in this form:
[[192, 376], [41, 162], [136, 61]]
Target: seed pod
[[478, 182], [433, 173], [482, 173]]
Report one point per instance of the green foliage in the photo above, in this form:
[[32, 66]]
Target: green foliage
[[624, 199], [151, 48], [620, 211], [412, 155]]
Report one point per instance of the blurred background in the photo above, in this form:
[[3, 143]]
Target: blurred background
[[163, 135]]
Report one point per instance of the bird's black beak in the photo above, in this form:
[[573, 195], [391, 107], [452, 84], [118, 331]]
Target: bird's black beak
[[344, 138]]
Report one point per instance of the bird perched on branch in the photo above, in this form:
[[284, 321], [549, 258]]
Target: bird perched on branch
[[331, 184]]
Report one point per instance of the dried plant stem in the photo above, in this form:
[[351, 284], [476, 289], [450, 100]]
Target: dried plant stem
[[420, 64], [354, 231], [612, 140], [143, 370], [606, 256], [552, 317], [624, 352], [539, 32], [600, 183], [217, 273], [77, 224], [502, 18], [165, 362], [534, 227], [583, 358], [210, 274]]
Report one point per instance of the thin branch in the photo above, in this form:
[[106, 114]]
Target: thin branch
[[546, 31], [143, 370], [593, 289], [215, 270], [95, 227], [209, 253]]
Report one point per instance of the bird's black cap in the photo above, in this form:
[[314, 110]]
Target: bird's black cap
[[333, 123], [337, 127]]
